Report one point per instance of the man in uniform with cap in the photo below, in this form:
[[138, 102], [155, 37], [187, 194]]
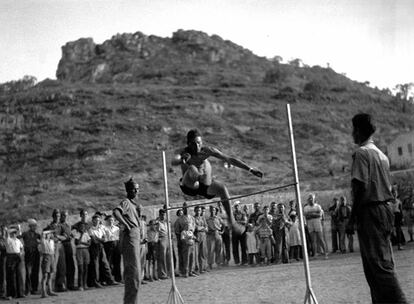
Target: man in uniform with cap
[[127, 215]]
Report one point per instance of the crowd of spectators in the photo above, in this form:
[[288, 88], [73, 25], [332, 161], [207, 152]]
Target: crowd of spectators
[[87, 254]]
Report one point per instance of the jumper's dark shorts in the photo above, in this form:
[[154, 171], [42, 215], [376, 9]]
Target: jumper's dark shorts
[[202, 190]]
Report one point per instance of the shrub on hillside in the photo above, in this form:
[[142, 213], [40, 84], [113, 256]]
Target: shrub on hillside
[[20, 85], [314, 87], [275, 75]]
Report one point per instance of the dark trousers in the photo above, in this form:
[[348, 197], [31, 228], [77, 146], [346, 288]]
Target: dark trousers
[[281, 247], [99, 270], [163, 258], [2, 272], [32, 263], [132, 266], [60, 281], [226, 245], [180, 257], [335, 237], [113, 255], [374, 233], [14, 276], [239, 240], [70, 264]]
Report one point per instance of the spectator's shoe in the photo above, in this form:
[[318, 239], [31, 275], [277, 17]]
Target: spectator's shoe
[[97, 285], [36, 293], [400, 248], [185, 275], [143, 282], [163, 278], [51, 293], [80, 289], [193, 274], [112, 283], [43, 296]]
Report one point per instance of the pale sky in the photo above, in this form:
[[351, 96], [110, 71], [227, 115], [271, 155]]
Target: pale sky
[[368, 40]]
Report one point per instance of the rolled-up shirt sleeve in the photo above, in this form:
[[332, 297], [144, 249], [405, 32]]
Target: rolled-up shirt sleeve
[[360, 168]]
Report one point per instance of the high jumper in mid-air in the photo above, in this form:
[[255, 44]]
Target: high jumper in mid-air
[[197, 175]]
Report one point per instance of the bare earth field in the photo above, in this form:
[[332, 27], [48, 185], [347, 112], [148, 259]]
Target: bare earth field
[[340, 279]]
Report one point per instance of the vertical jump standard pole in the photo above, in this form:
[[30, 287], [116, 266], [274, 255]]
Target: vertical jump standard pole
[[309, 296], [174, 295]]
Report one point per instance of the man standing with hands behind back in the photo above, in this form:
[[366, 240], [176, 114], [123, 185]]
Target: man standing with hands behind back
[[127, 215], [371, 190]]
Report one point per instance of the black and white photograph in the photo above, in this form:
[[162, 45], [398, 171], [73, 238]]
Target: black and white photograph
[[206, 152]]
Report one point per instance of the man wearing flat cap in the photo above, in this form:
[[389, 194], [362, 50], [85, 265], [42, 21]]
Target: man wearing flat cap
[[127, 215]]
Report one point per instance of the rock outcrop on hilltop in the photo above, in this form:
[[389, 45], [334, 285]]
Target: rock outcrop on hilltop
[[137, 57]]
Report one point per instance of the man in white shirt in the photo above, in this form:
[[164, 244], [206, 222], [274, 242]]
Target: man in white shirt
[[112, 247], [14, 252], [313, 213]]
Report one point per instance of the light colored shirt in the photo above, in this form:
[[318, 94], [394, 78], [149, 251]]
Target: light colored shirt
[[188, 237], [251, 242], [128, 210], [47, 246], [97, 232], [84, 238], [371, 167], [14, 245], [111, 233], [214, 223], [152, 236], [312, 212], [162, 228]]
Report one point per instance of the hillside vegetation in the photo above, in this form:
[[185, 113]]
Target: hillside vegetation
[[72, 142]]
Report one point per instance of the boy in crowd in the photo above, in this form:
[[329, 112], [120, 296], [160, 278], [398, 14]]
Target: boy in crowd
[[82, 243], [252, 244], [295, 243], [188, 239], [152, 237], [265, 234], [47, 249]]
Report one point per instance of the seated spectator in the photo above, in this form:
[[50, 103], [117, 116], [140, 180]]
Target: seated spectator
[[31, 241], [47, 249]]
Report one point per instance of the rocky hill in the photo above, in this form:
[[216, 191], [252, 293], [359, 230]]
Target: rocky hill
[[71, 142]]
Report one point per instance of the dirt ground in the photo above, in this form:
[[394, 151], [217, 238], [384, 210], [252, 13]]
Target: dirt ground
[[340, 279]]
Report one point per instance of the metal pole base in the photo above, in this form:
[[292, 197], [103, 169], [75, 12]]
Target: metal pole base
[[310, 297], [174, 297]]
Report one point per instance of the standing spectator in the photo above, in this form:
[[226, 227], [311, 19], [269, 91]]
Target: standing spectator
[[334, 224], [84, 221], [343, 213], [182, 222], [252, 244], [163, 247], [226, 239], [280, 227], [214, 240], [408, 211], [14, 276], [239, 239], [127, 215], [59, 269], [82, 243], [98, 256], [255, 215], [112, 248], [200, 255], [144, 242], [31, 241], [152, 237], [179, 261], [295, 243], [398, 235], [188, 239], [313, 214], [47, 249], [265, 234], [3, 255], [292, 208], [69, 257], [371, 189], [273, 209]]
